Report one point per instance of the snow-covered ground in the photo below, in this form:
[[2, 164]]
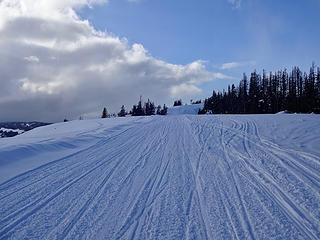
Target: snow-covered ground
[[19, 131], [185, 110], [11, 129], [164, 177]]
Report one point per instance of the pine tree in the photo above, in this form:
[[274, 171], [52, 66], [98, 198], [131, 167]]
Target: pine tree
[[158, 110], [292, 101], [122, 112], [243, 95], [310, 92], [254, 93], [149, 108], [164, 110], [134, 110], [317, 87], [177, 103], [152, 108], [140, 110], [264, 92], [104, 113], [233, 100], [296, 92]]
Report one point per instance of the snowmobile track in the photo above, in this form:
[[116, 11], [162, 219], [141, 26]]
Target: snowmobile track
[[173, 177]]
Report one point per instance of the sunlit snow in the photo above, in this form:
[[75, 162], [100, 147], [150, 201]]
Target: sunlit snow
[[164, 177]]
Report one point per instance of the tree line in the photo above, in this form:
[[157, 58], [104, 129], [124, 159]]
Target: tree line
[[141, 109], [292, 91], [148, 109]]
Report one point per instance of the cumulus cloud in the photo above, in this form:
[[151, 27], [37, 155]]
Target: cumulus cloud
[[232, 65], [32, 59], [184, 89], [54, 65]]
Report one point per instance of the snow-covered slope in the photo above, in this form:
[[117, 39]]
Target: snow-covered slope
[[11, 129], [164, 177], [185, 109], [45, 144]]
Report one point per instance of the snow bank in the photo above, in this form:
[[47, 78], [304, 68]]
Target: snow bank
[[283, 112], [185, 109], [48, 143]]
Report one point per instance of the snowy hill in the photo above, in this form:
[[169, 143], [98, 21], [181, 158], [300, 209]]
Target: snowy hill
[[11, 129], [185, 109], [164, 177]]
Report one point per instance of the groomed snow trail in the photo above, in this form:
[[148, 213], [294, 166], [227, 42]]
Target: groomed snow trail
[[172, 177]]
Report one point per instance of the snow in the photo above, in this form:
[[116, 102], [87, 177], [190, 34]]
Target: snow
[[45, 144], [283, 112], [11, 130], [186, 109], [164, 177]]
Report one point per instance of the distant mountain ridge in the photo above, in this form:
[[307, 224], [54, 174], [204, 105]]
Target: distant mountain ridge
[[11, 129]]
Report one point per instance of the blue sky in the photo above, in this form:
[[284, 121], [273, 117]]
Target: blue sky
[[257, 34], [62, 58]]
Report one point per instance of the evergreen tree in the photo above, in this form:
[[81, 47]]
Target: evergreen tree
[[310, 93], [158, 110], [254, 93], [264, 101], [283, 90], [317, 90], [149, 108], [164, 110], [233, 99], [177, 103], [140, 110], [296, 92], [104, 113], [300, 89], [134, 110], [146, 109], [292, 104], [243, 95], [122, 112]]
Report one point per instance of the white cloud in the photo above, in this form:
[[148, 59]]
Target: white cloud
[[184, 89], [229, 65], [81, 69], [45, 87], [235, 3], [49, 9], [32, 59], [232, 65]]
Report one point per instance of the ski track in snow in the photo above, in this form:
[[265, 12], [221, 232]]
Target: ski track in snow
[[173, 177]]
